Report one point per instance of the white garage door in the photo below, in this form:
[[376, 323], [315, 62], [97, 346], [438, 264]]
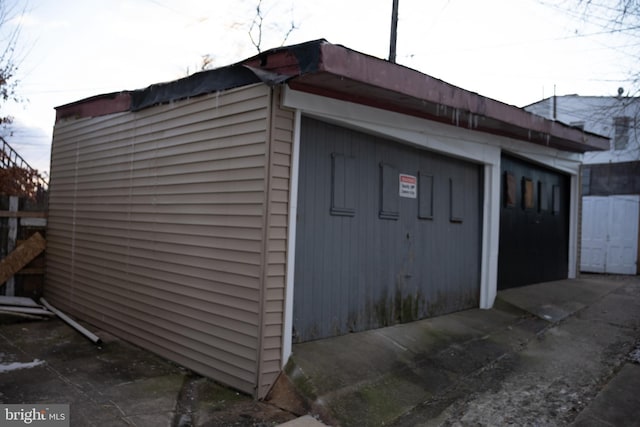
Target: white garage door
[[610, 234]]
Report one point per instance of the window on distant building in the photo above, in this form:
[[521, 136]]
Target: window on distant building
[[621, 136]]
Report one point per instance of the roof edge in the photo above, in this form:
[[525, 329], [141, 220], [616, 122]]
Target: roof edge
[[99, 105], [336, 71], [346, 63]]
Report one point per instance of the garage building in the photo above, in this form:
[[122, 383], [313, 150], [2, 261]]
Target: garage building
[[308, 192]]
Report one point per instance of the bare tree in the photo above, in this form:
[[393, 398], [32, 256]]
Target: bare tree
[[206, 63], [9, 61], [621, 16], [613, 17], [259, 26], [621, 113], [17, 178], [616, 15]]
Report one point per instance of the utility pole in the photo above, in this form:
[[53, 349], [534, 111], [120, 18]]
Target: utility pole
[[555, 104], [394, 31]]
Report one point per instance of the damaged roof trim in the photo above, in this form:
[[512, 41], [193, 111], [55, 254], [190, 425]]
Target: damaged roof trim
[[411, 92], [335, 71], [161, 93], [99, 105]]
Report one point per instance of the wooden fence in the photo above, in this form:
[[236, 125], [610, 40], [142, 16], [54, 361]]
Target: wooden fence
[[23, 223], [21, 218]]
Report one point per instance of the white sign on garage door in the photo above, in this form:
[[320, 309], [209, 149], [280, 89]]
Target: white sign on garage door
[[610, 234]]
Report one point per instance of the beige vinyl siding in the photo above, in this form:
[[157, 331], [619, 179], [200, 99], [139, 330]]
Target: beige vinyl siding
[[156, 228], [274, 279]]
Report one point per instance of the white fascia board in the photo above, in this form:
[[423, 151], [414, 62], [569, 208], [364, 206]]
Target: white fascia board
[[490, 236], [453, 141], [562, 161], [291, 241], [574, 206]]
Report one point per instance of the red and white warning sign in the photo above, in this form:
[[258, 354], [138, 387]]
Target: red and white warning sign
[[408, 186]]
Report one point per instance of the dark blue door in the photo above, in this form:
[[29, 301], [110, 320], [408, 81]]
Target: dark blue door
[[534, 224]]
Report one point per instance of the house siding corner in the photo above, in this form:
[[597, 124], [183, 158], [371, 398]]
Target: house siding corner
[[276, 231]]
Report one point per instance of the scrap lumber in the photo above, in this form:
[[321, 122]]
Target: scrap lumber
[[27, 310], [11, 315], [78, 327], [21, 256], [18, 302], [23, 307]]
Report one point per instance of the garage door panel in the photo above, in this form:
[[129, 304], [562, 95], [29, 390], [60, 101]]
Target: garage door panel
[[534, 226], [399, 256]]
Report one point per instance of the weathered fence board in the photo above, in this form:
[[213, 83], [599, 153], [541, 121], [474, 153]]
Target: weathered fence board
[[21, 256]]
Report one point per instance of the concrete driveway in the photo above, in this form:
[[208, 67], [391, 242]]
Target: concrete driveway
[[556, 353], [549, 354], [115, 384]]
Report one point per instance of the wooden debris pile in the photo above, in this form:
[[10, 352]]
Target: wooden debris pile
[[26, 308]]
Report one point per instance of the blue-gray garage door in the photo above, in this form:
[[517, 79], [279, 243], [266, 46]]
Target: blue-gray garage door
[[386, 233]]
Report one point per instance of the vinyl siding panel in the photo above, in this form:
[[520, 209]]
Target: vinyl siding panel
[[274, 275], [156, 229]]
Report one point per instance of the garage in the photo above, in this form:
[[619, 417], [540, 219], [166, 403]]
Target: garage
[[534, 224], [307, 192], [386, 233]]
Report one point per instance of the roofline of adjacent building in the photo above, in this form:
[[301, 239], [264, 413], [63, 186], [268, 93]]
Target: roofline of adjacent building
[[575, 95]]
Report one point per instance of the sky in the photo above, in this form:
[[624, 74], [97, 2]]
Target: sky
[[514, 51]]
